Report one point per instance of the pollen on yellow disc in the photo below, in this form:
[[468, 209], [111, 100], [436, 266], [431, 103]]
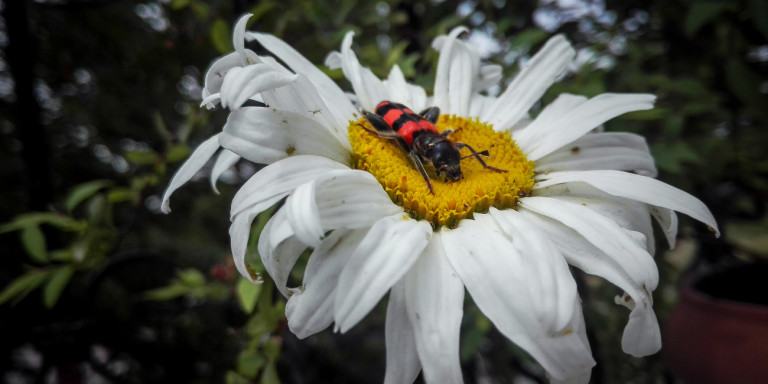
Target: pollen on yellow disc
[[480, 188]]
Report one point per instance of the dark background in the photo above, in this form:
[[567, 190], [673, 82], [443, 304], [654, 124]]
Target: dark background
[[99, 105]]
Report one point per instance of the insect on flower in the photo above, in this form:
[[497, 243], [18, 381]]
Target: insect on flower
[[418, 137]]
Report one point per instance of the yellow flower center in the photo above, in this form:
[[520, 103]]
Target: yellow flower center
[[480, 188]]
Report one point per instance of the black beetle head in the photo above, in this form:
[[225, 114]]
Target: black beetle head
[[446, 159]]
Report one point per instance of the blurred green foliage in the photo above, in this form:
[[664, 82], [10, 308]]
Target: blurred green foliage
[[100, 285]]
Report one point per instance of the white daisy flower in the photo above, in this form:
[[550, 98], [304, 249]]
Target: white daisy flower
[[569, 195]]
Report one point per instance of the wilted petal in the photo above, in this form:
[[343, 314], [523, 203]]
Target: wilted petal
[[242, 83], [279, 249], [602, 232], [639, 188], [280, 178], [340, 107], [224, 161], [265, 135], [388, 251], [194, 163], [580, 253], [310, 310]]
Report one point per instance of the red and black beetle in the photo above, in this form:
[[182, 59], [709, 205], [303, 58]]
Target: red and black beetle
[[417, 136]]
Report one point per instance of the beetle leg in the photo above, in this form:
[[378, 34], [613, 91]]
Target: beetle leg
[[481, 153], [420, 166], [476, 155], [431, 114]]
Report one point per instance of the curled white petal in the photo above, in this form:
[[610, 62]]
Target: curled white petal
[[278, 179], [265, 135], [279, 249], [456, 69], [194, 163], [310, 310], [602, 232], [339, 105], [639, 188], [224, 161], [242, 83]]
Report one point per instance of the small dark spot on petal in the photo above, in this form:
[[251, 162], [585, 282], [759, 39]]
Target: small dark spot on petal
[[290, 150], [575, 150]]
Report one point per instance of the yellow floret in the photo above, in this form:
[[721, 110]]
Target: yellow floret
[[480, 188]]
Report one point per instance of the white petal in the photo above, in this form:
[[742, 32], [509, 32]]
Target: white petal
[[639, 188], [435, 302], [628, 214], [489, 76], [368, 88], [388, 251], [242, 83], [530, 84], [339, 105], [402, 92], [492, 270], [577, 158], [564, 103], [224, 161], [667, 220], [479, 104], [552, 133], [402, 359], [278, 179], [301, 210], [311, 309], [602, 232], [585, 256], [279, 249], [238, 37], [554, 286], [191, 166], [456, 69], [265, 135], [642, 336], [302, 97], [339, 199]]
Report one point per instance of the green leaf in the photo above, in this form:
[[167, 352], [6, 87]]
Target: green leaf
[[220, 36], [143, 157], [33, 240], [702, 13], [179, 4], [23, 284], [166, 293], [249, 364], [270, 374], [81, 192], [177, 153], [235, 378], [191, 277], [247, 294], [55, 286], [57, 220]]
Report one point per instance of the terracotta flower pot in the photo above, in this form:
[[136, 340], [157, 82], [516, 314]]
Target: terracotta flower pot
[[718, 333]]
